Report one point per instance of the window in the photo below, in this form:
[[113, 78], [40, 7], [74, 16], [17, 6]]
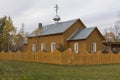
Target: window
[[94, 47], [42, 46], [76, 47], [34, 47], [53, 46]]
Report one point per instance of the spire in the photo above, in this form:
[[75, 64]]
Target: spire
[[56, 17], [22, 30]]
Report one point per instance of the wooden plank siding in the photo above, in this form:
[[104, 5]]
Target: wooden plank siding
[[58, 39], [71, 30], [81, 45], [96, 37]]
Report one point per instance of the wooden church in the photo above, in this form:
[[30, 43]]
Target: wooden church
[[67, 34]]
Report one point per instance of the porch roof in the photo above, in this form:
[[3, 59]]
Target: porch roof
[[115, 43]]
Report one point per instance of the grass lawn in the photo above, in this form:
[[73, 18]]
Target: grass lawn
[[13, 70]]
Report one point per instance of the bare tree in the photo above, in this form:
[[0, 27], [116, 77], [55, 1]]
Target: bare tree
[[115, 29], [21, 39]]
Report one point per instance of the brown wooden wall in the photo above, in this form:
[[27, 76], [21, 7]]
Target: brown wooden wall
[[81, 45], [87, 44], [96, 37], [58, 39], [71, 30]]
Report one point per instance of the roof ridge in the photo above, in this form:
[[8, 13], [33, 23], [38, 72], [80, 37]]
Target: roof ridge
[[90, 27], [61, 22]]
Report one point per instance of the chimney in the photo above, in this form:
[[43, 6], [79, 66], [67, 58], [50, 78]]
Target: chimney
[[40, 26]]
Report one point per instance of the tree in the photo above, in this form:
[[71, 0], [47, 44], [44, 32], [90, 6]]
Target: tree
[[61, 47], [109, 36], [20, 36], [8, 35], [21, 39], [18, 42], [117, 29], [2, 24]]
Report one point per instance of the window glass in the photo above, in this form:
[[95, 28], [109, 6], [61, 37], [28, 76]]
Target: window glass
[[94, 47], [53, 46], [34, 47], [76, 47], [42, 46]]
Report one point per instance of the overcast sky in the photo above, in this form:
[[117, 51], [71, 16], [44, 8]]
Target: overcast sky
[[101, 13]]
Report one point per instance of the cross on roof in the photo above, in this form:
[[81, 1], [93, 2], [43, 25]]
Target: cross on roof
[[56, 8]]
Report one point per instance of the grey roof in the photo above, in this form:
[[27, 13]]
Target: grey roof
[[55, 28], [81, 33]]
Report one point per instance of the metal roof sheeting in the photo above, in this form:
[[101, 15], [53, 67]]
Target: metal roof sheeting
[[55, 28], [81, 33]]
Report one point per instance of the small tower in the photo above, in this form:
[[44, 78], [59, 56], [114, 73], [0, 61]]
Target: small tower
[[56, 18]]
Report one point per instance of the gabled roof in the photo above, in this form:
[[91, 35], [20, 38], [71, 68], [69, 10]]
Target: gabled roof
[[55, 28], [81, 33]]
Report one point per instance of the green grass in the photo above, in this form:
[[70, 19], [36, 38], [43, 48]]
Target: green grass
[[13, 70]]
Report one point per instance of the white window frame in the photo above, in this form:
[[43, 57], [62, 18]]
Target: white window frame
[[34, 47], [94, 47], [53, 46], [76, 47], [42, 46]]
